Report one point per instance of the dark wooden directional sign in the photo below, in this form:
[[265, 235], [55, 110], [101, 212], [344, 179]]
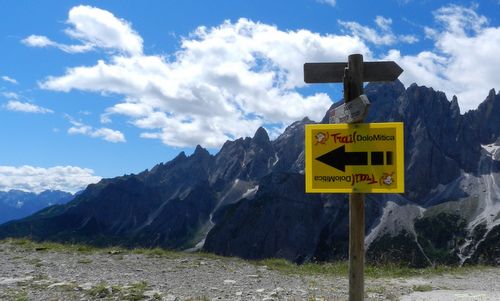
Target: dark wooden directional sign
[[352, 73], [334, 72]]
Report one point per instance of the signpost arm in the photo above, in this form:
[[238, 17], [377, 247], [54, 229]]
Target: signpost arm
[[353, 87]]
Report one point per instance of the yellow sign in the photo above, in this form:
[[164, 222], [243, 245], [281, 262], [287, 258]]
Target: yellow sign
[[360, 157]]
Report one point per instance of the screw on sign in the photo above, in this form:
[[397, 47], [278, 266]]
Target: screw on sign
[[352, 73]]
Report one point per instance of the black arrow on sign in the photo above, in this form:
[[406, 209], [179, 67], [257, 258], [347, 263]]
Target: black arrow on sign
[[339, 158]]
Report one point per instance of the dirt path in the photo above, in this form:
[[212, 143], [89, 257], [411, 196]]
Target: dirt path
[[30, 274]]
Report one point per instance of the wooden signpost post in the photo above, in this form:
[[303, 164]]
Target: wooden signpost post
[[353, 74]]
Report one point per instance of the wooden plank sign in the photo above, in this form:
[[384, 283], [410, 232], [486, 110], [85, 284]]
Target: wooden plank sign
[[334, 72]]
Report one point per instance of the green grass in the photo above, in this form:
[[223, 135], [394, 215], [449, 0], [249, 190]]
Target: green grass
[[341, 269], [116, 251], [136, 292], [381, 290], [282, 265], [49, 246], [15, 295], [132, 292], [83, 248], [100, 290], [157, 252]]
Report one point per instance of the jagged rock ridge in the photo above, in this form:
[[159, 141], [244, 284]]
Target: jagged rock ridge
[[248, 199]]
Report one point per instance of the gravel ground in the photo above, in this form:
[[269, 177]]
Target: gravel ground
[[30, 274]]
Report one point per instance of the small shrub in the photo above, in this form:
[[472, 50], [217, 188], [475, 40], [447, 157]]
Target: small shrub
[[100, 291]]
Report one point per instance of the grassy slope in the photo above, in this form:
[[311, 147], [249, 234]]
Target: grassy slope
[[339, 269]]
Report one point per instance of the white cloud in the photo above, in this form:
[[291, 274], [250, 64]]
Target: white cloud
[[381, 36], [226, 81], [38, 179], [38, 41], [100, 28], [383, 23], [408, 38], [42, 41], [329, 2], [465, 59], [93, 28], [18, 106], [9, 80], [107, 134], [368, 34], [11, 95], [223, 83]]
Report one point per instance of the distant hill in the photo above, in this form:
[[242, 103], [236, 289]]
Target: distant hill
[[16, 204], [248, 200]]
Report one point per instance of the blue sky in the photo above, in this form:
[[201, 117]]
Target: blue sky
[[104, 88]]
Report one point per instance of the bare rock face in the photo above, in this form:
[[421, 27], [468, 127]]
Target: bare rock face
[[245, 159], [169, 206], [248, 200], [450, 167], [161, 207], [288, 232], [289, 148]]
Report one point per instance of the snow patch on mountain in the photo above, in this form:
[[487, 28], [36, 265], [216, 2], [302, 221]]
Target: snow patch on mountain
[[250, 193], [394, 219], [493, 150]]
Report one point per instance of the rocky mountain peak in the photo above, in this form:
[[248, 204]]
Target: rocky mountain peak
[[250, 199], [485, 120], [180, 157], [385, 89], [261, 136], [492, 93], [491, 105], [199, 151], [454, 107], [295, 127]]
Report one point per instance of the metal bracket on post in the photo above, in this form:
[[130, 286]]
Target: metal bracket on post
[[351, 112]]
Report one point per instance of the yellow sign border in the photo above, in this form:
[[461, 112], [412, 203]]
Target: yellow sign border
[[400, 167]]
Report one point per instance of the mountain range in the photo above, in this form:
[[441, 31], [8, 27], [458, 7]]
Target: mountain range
[[16, 204], [249, 200]]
